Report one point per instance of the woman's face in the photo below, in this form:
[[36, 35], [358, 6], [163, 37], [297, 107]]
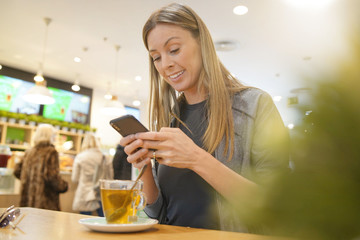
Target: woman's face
[[177, 57]]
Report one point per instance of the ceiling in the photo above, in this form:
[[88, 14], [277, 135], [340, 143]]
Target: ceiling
[[277, 43]]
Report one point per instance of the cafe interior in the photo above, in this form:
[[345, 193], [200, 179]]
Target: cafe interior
[[94, 68]]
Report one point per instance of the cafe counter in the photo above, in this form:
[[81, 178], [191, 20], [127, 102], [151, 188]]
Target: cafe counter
[[10, 190]]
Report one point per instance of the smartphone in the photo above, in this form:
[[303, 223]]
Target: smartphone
[[127, 125]]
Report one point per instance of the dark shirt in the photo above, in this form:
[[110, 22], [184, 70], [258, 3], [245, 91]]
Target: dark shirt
[[189, 198], [122, 168]]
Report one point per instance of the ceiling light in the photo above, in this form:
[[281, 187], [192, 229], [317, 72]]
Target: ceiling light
[[39, 75], [113, 107], [108, 96], [77, 59], [39, 94], [136, 103], [138, 78], [240, 10], [75, 87]]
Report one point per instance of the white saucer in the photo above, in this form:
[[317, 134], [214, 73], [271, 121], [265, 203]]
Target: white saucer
[[99, 224]]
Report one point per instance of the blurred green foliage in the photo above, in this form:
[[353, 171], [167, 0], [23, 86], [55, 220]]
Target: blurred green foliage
[[320, 198]]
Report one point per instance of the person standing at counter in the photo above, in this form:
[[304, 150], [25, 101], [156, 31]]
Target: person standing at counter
[[122, 168], [39, 172], [218, 139], [89, 166]]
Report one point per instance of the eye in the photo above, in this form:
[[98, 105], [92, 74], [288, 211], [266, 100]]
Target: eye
[[155, 58], [174, 50]]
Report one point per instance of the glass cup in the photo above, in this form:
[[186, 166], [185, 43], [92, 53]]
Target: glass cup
[[5, 154], [121, 200]]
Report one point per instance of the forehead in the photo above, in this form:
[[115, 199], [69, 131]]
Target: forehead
[[162, 32]]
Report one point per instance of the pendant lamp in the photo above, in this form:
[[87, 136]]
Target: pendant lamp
[[114, 106], [39, 75], [40, 94]]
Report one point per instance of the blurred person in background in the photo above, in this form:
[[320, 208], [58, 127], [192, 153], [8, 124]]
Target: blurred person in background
[[39, 172], [89, 166], [122, 168]]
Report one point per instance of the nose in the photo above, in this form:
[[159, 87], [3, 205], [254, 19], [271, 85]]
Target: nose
[[167, 62]]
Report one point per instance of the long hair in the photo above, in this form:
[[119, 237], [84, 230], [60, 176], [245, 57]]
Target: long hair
[[90, 141], [215, 79], [44, 133]]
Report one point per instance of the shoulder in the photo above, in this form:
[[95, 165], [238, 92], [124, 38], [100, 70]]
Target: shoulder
[[248, 100], [44, 148]]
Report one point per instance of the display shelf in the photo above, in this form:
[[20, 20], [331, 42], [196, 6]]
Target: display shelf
[[25, 134]]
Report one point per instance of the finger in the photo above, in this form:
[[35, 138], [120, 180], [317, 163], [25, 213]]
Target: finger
[[137, 156], [149, 136], [126, 140], [141, 163], [133, 146]]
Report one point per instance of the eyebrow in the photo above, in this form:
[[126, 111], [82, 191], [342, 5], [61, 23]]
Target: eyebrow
[[167, 41]]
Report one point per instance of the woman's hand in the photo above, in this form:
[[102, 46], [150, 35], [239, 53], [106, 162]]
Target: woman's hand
[[173, 148], [137, 155]]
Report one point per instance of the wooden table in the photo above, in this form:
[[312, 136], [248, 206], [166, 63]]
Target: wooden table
[[42, 224]]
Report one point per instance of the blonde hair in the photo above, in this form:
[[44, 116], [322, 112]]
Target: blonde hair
[[217, 81], [90, 141], [44, 132]]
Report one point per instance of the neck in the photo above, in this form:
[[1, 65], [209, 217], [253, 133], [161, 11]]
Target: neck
[[195, 97]]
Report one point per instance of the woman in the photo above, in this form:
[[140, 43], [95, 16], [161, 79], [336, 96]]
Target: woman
[[39, 172], [224, 137], [89, 166]]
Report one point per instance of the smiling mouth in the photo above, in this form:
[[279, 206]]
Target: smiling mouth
[[177, 75]]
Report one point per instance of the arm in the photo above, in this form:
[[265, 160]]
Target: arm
[[18, 166], [270, 145], [17, 170], [76, 171]]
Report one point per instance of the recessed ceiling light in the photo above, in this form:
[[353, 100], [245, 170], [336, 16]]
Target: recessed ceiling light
[[240, 10], [77, 59], [136, 103], [138, 78]]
